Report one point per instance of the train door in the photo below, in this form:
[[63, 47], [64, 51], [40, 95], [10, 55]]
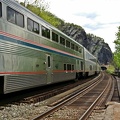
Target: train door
[[82, 65], [49, 68], [77, 65]]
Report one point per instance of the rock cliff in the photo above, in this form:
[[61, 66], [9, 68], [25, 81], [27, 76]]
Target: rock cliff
[[94, 44]]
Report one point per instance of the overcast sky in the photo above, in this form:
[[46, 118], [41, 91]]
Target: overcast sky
[[98, 17]]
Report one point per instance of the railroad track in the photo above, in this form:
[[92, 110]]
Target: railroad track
[[39, 94], [52, 92], [73, 104], [82, 102], [115, 97], [103, 90], [27, 109], [112, 97]]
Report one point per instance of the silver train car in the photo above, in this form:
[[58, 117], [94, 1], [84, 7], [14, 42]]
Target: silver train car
[[34, 53]]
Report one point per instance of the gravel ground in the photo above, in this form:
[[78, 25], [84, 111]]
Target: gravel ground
[[22, 111], [97, 115], [65, 114], [25, 111], [112, 112]]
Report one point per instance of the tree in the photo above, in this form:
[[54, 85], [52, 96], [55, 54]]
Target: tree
[[38, 3], [39, 7], [117, 49]]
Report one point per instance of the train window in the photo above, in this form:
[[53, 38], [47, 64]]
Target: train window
[[48, 61], [54, 37], [62, 41], [36, 27], [15, 17], [72, 46], [0, 9], [72, 67], [67, 43], [81, 65], [10, 15], [32, 26], [90, 67], [76, 48], [45, 32], [65, 67], [80, 51], [68, 66], [19, 19]]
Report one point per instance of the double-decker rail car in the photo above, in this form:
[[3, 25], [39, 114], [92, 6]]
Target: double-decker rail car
[[91, 64], [34, 53]]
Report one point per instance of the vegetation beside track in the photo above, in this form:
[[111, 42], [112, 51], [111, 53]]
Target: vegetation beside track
[[110, 69]]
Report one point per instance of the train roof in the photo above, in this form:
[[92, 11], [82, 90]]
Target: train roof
[[89, 53], [21, 8]]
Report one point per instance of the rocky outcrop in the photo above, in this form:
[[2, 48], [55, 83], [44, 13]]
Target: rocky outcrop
[[99, 48], [75, 32], [94, 44]]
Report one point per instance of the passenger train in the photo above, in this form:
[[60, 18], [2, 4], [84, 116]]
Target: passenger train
[[34, 53]]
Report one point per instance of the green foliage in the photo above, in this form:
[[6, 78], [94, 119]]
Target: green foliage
[[117, 41], [34, 9], [117, 51], [117, 59], [52, 19], [40, 9], [110, 69]]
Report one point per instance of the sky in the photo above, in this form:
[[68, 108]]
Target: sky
[[98, 17]]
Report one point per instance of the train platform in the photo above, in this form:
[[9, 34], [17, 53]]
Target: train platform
[[113, 111], [113, 108], [118, 83]]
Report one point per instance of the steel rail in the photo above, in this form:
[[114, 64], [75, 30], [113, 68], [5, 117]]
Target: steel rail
[[90, 109], [51, 93], [67, 99]]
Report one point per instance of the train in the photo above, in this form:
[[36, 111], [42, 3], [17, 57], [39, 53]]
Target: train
[[34, 53]]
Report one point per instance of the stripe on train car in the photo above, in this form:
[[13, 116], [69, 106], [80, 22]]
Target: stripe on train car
[[17, 73], [30, 43], [40, 72]]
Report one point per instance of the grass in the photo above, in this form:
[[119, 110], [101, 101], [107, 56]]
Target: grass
[[110, 69]]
